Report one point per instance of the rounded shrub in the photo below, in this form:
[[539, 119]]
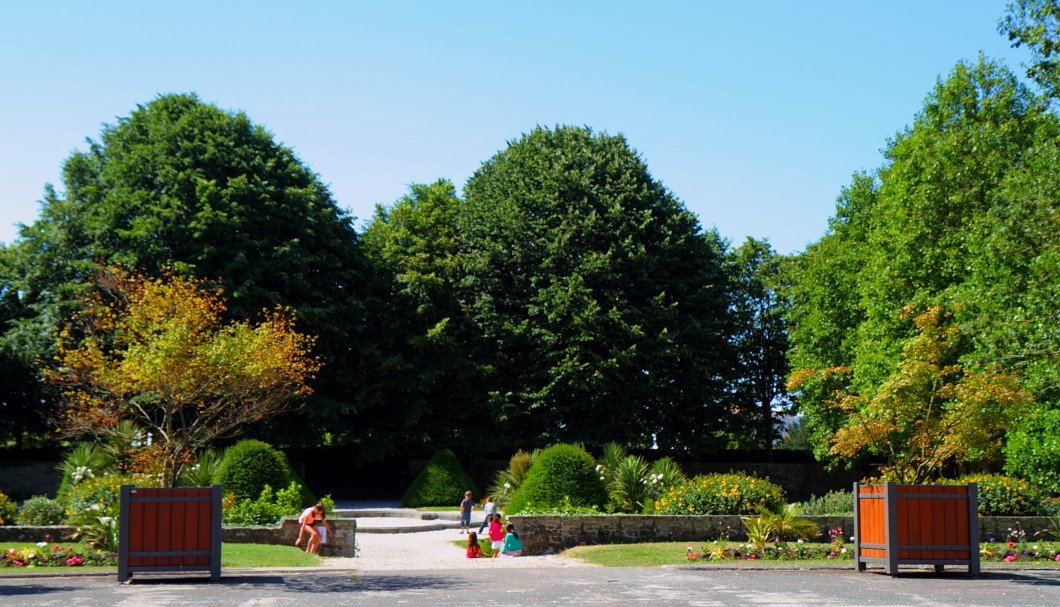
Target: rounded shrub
[[563, 476], [730, 493], [8, 510], [1001, 495], [250, 464], [442, 482], [41, 510]]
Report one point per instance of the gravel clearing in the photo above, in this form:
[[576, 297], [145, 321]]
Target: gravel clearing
[[427, 550]]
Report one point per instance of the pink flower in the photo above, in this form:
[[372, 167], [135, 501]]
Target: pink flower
[[75, 561], [1010, 558], [1057, 557]]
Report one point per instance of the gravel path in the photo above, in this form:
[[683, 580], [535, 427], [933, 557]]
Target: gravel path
[[431, 550]]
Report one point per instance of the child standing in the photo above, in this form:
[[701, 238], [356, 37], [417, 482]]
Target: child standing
[[465, 512], [473, 549], [496, 535], [489, 508]]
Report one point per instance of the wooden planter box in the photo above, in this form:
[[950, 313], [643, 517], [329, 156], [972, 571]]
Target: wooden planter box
[[916, 525], [169, 529]]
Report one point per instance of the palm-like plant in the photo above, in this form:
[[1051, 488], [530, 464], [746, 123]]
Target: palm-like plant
[[786, 522], [508, 481], [629, 485], [206, 472]]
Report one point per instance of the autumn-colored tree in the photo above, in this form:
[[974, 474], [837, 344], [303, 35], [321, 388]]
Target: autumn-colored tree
[[157, 351], [931, 411]]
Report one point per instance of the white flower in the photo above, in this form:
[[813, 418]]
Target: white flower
[[801, 541], [42, 544], [599, 467], [507, 485], [843, 551], [601, 478], [852, 538]]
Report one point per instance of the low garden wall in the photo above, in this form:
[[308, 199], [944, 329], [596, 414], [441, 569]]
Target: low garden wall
[[341, 540], [551, 534]]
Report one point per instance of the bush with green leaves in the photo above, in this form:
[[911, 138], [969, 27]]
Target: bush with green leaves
[[442, 482], [8, 510], [562, 474], [1001, 495], [833, 502], [268, 509], [250, 464], [730, 493], [41, 510]]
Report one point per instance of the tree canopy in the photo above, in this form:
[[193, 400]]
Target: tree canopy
[[157, 352], [184, 184], [602, 305]]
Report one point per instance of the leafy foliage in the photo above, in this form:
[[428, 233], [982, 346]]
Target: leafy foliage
[[442, 482], [183, 184], [931, 411], [1036, 24], [268, 509], [250, 465], [602, 307], [158, 352], [760, 337], [561, 474], [508, 481], [1005, 495], [430, 349], [8, 510], [206, 471], [720, 494], [953, 219], [41, 510], [1033, 449], [833, 502]]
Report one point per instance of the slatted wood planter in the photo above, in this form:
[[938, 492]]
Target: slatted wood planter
[[898, 525], [169, 529]]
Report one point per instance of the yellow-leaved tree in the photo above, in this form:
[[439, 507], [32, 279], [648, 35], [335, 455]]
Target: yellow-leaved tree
[[932, 410], [160, 353]]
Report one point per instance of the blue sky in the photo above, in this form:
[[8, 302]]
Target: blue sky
[[754, 114]]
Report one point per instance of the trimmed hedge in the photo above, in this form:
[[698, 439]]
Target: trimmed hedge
[[442, 482], [250, 465], [563, 476]]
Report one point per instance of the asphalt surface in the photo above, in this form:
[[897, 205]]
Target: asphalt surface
[[674, 586]]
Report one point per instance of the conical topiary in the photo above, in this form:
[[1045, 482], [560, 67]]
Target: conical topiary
[[442, 482]]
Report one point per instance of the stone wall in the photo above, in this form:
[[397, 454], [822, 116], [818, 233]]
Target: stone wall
[[551, 534], [341, 540]]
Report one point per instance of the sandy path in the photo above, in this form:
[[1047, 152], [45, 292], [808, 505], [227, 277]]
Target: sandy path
[[431, 550]]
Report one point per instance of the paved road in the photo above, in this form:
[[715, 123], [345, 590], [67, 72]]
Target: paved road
[[540, 587]]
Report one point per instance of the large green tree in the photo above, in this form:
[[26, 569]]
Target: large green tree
[[1036, 24], [913, 234], [433, 381], [603, 305], [761, 339], [184, 183]]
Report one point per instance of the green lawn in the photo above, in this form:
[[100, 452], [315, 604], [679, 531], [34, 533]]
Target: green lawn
[[232, 555]]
